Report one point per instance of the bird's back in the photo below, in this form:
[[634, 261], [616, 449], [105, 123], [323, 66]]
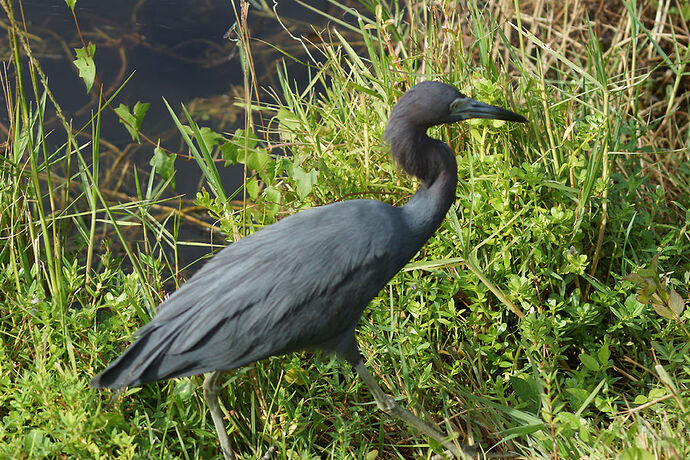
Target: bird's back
[[301, 283]]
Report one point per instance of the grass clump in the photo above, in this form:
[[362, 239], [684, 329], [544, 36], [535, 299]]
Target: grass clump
[[546, 317]]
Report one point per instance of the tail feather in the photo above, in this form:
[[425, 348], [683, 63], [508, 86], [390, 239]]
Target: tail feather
[[151, 358], [135, 366]]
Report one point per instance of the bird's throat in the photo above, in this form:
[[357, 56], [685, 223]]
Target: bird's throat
[[427, 208]]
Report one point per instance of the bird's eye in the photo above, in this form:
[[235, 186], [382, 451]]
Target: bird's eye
[[457, 104]]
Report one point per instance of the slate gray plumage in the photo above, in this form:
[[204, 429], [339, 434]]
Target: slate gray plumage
[[303, 282]]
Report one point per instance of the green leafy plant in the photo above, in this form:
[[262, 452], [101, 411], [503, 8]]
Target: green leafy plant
[[664, 299], [524, 324]]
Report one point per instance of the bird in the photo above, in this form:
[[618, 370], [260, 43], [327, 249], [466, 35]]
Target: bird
[[303, 282]]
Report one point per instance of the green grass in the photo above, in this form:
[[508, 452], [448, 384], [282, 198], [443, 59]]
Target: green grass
[[537, 320]]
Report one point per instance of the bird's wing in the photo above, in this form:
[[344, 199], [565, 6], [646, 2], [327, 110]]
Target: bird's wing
[[300, 283]]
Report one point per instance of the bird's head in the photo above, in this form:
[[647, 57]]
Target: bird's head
[[433, 103], [425, 105]]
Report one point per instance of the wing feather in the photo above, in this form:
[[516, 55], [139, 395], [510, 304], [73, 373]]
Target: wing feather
[[300, 283]]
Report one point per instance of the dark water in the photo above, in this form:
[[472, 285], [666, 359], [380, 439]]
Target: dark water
[[178, 51], [176, 48]]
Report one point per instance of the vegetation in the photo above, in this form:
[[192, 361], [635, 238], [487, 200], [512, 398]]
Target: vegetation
[[546, 317]]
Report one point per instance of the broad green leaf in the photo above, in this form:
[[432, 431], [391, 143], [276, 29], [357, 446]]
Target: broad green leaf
[[636, 453], [243, 138], [580, 395], [289, 124], [84, 63], [634, 278], [140, 109], [527, 389], [132, 121], [36, 443], [570, 419], [590, 397], [666, 378], [656, 393], [590, 362], [258, 161], [305, 181], [233, 152], [187, 130], [604, 354], [184, 389], [164, 164], [230, 153], [253, 188], [661, 306], [71, 4], [210, 137], [272, 203], [640, 399], [372, 455], [293, 376]]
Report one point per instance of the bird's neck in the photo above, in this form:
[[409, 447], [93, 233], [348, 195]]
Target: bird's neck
[[434, 163]]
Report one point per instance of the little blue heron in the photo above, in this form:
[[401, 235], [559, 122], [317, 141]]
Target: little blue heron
[[303, 282]]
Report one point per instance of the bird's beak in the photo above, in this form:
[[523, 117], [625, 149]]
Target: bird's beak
[[465, 108]]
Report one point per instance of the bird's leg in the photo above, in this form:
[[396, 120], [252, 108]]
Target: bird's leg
[[211, 391], [390, 407]]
